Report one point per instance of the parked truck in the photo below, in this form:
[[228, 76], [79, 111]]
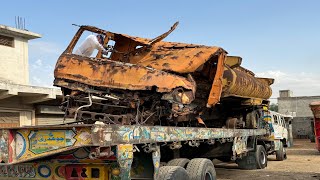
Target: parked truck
[[147, 109]]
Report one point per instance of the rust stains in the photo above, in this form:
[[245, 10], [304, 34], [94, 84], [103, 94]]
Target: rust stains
[[140, 63]]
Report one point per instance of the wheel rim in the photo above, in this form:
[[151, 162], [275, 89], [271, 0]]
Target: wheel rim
[[263, 157], [208, 176]]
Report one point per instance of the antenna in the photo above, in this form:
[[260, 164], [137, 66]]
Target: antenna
[[20, 22]]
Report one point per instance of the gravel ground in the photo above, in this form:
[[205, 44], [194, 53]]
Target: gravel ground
[[303, 163]]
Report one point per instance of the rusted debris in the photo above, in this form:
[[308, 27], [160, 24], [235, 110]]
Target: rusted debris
[[160, 79]]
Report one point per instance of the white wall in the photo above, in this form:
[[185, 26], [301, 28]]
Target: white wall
[[14, 61]]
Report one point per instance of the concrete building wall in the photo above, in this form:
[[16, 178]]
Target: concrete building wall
[[298, 107], [26, 112], [301, 127], [14, 66]]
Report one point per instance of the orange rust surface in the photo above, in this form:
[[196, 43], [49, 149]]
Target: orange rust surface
[[176, 57], [119, 75], [140, 64]]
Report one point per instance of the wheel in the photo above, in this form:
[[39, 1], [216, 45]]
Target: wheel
[[201, 169], [254, 160], [261, 156], [252, 119], [172, 173], [281, 154], [182, 162]]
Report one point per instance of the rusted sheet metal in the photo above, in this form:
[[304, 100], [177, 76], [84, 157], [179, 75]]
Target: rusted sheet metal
[[111, 74], [176, 57], [315, 108], [140, 63], [107, 135]]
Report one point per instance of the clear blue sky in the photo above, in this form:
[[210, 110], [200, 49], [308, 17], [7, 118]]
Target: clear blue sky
[[279, 39]]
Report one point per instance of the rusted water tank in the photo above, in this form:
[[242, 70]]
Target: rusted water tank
[[238, 81], [315, 108]]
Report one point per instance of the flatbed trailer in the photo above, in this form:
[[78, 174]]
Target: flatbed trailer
[[99, 151]]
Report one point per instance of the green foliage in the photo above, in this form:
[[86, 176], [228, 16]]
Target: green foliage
[[274, 107]]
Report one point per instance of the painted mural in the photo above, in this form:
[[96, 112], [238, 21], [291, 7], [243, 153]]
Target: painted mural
[[48, 140], [31, 143]]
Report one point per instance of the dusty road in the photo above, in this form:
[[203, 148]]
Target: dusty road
[[303, 163]]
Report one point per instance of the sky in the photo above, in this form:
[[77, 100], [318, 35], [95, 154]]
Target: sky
[[276, 39]]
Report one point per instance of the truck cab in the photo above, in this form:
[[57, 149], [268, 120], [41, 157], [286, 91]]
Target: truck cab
[[280, 135]]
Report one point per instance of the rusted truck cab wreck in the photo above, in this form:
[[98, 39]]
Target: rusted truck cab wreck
[[152, 82]]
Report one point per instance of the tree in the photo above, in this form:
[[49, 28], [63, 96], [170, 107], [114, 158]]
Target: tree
[[274, 107]]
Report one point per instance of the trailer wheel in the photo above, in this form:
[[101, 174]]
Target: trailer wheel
[[172, 173], [254, 160], [281, 154], [182, 162], [201, 169]]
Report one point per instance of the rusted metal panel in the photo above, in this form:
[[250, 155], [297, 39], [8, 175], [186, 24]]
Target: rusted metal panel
[[176, 57], [111, 74], [159, 64]]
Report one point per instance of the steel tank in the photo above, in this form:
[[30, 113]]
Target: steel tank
[[241, 82]]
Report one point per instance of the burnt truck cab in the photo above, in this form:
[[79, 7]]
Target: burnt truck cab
[[149, 81]]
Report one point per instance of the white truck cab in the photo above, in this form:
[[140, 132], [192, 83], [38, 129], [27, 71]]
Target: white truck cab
[[280, 132]]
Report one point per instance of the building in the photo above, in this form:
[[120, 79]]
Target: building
[[299, 108], [20, 103]]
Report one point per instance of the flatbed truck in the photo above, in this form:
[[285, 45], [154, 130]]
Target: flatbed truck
[[99, 151], [147, 109]]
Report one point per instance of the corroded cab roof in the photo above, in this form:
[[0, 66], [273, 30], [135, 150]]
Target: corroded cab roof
[[167, 56]]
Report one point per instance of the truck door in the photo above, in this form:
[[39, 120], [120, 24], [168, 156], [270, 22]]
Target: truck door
[[278, 130]]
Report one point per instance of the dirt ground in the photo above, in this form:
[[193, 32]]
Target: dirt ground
[[303, 163]]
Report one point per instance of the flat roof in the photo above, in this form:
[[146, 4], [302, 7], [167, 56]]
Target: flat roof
[[31, 94], [18, 32]]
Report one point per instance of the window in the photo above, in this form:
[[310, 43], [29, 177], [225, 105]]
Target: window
[[6, 41], [275, 119]]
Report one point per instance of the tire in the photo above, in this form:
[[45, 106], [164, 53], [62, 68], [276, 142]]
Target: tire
[[172, 173], [281, 153], [254, 160], [261, 156], [201, 169], [252, 119], [182, 162]]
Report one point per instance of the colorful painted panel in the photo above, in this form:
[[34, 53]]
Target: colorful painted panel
[[18, 171], [54, 171], [106, 135], [48, 140], [33, 143], [4, 149]]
